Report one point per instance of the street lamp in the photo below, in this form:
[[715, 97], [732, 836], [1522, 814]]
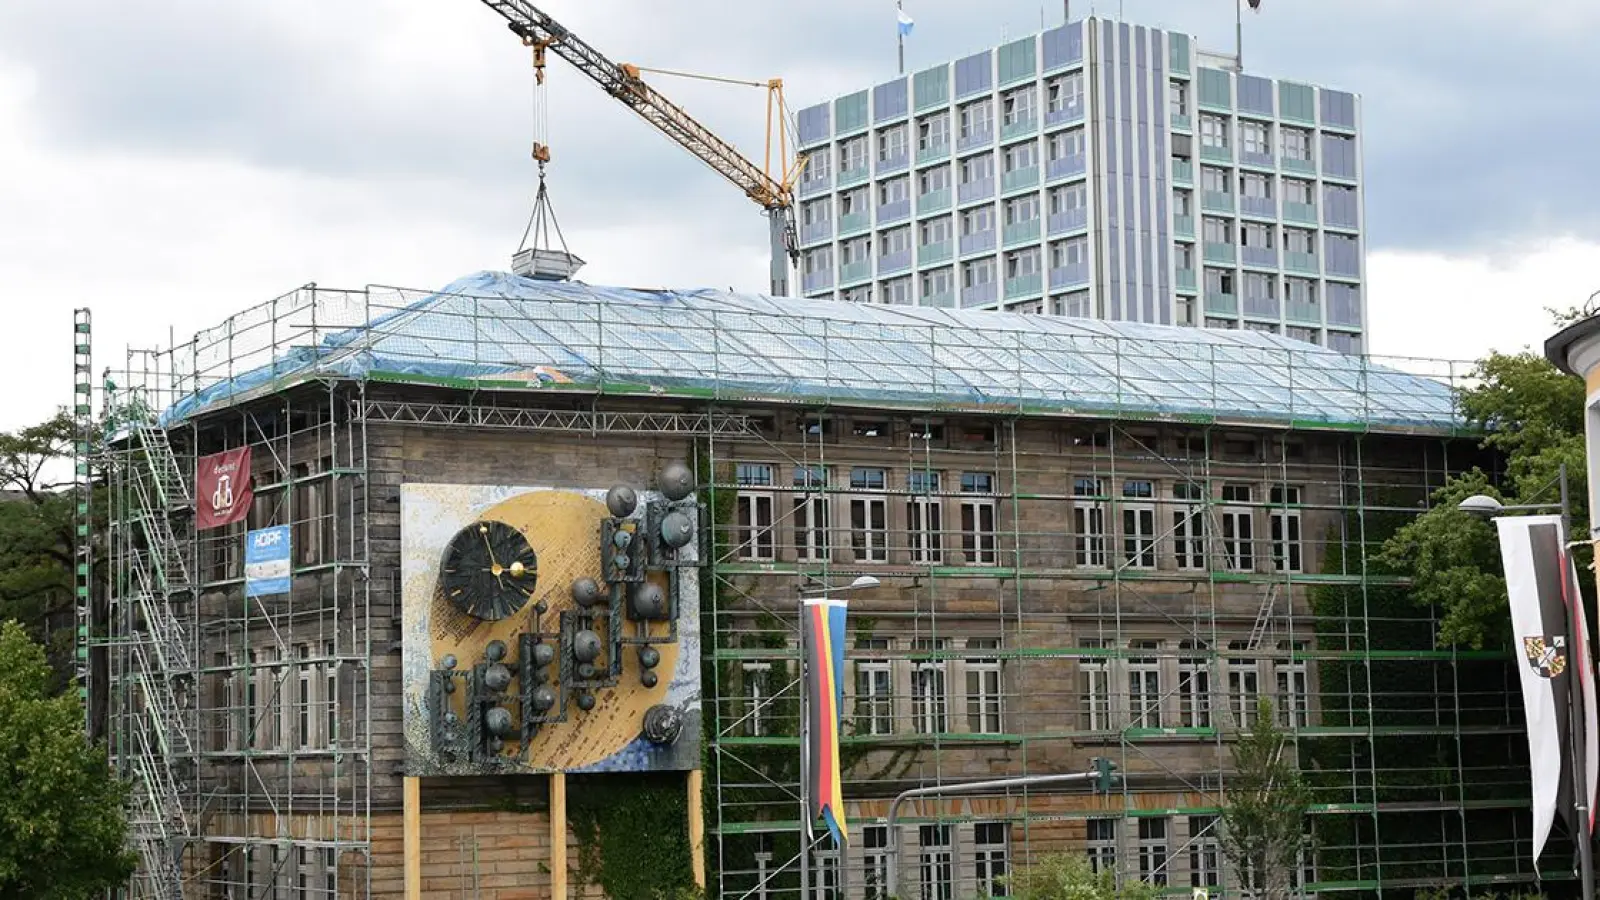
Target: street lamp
[[1488, 507]]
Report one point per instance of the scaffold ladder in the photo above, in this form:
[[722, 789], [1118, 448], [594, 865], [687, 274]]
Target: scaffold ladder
[[82, 492], [1263, 617]]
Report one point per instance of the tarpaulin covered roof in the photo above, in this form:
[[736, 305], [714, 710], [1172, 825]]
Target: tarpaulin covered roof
[[495, 330]]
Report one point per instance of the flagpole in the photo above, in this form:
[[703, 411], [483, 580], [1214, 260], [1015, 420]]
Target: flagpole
[[1238, 34], [900, 35], [805, 764], [1577, 729]]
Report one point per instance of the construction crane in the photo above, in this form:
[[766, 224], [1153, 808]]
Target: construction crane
[[773, 191]]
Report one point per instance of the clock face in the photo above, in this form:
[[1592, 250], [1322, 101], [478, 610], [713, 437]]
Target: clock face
[[489, 570]]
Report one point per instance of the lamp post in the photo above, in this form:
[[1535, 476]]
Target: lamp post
[[1488, 507], [862, 583]]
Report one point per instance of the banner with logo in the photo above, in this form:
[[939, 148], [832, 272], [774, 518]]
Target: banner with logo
[[266, 562], [1551, 631], [222, 488]]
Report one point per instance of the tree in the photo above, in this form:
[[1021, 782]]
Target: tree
[[1531, 415], [1068, 876], [1263, 814], [36, 535], [62, 831]]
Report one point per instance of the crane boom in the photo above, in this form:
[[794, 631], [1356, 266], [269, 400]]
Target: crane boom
[[622, 81]]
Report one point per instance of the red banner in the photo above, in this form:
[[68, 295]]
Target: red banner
[[222, 488]]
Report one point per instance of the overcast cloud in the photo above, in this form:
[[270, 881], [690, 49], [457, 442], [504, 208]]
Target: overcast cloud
[[173, 161]]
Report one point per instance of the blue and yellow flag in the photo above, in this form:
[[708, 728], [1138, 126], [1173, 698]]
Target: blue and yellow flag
[[823, 622]]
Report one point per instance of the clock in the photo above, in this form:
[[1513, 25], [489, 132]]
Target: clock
[[489, 570]]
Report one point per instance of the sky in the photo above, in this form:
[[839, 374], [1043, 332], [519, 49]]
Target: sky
[[169, 163]]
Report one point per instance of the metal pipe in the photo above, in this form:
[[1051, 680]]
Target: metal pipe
[[1576, 734], [969, 787]]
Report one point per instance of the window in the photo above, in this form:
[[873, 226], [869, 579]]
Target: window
[[1022, 263], [817, 212], [1299, 240], [1068, 199], [251, 676], [330, 871], [874, 689], [1215, 180], [1213, 132], [1298, 191], [1065, 93], [977, 120], [1095, 674], [934, 179], [929, 697], [1238, 529], [1255, 137], [1024, 155], [1296, 143], [933, 231], [753, 509], [1183, 256], [855, 250], [757, 678], [925, 517], [853, 202], [313, 513], [977, 168], [938, 283], [977, 220], [1070, 252], [811, 522], [977, 273], [1182, 203], [824, 875], [933, 132], [875, 861], [1189, 525], [1243, 685], [817, 167], [818, 260], [1017, 106], [1089, 522], [869, 516], [1144, 685], [978, 516], [895, 240], [892, 143], [894, 190], [1194, 686], [1102, 841], [1217, 231], [270, 725], [990, 849], [1153, 850], [938, 874], [1177, 98], [1204, 854], [853, 154], [303, 712], [1219, 281], [983, 687], [1138, 525], [302, 872], [330, 697], [1284, 520], [1022, 209], [896, 291], [1255, 185], [1255, 234], [1292, 690], [1064, 144]]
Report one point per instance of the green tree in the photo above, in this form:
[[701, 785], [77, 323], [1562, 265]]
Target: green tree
[[1068, 876], [62, 831], [1531, 415], [1264, 808], [36, 535]]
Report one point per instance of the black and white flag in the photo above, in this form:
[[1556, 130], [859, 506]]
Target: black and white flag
[[1551, 636]]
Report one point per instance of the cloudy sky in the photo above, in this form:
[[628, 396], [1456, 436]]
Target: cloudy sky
[[170, 162]]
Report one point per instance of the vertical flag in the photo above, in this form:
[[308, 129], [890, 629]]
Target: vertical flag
[[222, 488], [823, 621], [905, 22], [1551, 631]]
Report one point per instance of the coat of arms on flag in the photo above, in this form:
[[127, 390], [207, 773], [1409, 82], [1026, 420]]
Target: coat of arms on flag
[[1547, 655]]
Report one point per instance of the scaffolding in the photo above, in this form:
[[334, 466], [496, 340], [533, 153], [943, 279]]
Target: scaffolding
[[1094, 540]]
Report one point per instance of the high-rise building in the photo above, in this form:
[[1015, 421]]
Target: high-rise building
[[1098, 169]]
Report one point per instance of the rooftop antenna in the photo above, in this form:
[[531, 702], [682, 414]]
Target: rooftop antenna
[[539, 259]]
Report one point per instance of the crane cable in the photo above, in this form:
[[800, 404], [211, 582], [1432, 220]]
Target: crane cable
[[542, 218]]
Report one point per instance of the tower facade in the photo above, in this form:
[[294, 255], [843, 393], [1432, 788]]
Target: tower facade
[[1099, 169]]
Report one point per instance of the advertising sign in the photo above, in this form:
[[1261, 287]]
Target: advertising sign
[[266, 562], [222, 488]]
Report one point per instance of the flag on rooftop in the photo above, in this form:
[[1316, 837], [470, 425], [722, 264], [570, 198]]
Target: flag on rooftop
[[906, 23]]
